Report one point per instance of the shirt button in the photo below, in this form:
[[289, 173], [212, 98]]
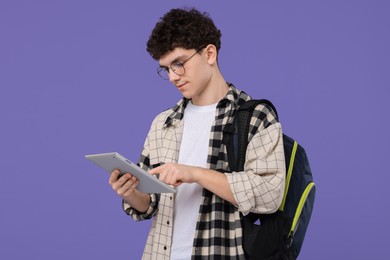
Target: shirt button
[[170, 197], [167, 222], [165, 248]]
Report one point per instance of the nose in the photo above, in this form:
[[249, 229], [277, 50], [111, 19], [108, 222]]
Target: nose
[[173, 76]]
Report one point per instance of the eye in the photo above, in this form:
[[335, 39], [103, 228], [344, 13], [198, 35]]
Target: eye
[[177, 65]]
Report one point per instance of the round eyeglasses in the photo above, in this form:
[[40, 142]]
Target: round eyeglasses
[[176, 67]]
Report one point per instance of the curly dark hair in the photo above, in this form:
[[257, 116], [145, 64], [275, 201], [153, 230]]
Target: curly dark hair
[[189, 29]]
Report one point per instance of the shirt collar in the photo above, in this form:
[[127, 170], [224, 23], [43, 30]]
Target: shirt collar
[[233, 97]]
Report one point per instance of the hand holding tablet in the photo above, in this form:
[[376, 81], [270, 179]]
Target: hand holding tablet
[[147, 182]]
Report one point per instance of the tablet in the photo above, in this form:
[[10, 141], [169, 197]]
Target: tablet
[[148, 183]]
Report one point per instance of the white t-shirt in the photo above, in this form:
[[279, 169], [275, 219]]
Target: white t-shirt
[[193, 151]]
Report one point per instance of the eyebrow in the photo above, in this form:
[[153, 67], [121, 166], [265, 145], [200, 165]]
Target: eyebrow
[[181, 57]]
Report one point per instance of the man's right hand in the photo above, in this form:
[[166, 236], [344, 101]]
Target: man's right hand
[[126, 187]]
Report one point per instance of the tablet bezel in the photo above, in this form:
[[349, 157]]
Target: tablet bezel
[[148, 183]]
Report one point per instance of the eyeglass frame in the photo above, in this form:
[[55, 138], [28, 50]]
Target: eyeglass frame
[[162, 70]]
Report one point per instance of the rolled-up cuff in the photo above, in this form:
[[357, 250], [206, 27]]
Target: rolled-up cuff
[[137, 215]]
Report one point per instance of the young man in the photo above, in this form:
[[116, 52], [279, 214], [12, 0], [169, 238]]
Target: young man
[[184, 146]]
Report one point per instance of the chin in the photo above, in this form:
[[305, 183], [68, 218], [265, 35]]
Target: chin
[[186, 94]]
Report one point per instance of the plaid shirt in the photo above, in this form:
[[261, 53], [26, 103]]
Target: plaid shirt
[[259, 188]]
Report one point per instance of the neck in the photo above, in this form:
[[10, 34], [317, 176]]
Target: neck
[[216, 90]]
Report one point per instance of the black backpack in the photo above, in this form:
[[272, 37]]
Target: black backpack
[[278, 235]]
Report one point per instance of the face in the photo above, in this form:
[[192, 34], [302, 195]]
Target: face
[[195, 82]]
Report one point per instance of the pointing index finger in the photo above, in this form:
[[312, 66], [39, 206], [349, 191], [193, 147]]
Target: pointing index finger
[[157, 169]]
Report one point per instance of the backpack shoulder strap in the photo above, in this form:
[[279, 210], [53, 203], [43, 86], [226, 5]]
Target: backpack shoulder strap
[[235, 136], [250, 105]]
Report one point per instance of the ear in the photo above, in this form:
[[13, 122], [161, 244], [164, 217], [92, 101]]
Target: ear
[[211, 54]]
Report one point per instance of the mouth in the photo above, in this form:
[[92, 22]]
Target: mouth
[[179, 86]]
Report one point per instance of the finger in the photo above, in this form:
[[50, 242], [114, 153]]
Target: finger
[[175, 178], [158, 169], [125, 177], [177, 184], [132, 186], [162, 176], [175, 175], [123, 188], [128, 187], [169, 175], [165, 174], [114, 176], [121, 181], [134, 182]]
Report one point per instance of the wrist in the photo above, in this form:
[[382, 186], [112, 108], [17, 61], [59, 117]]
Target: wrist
[[198, 174], [195, 174]]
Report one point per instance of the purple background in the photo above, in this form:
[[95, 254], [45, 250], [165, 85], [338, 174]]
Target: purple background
[[75, 79]]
